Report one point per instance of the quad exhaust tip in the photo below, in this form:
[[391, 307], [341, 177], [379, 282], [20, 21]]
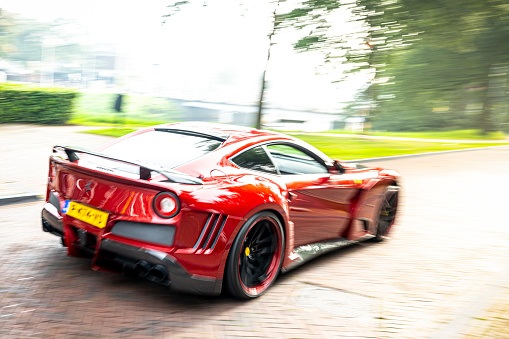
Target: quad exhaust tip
[[142, 268], [158, 273], [155, 273]]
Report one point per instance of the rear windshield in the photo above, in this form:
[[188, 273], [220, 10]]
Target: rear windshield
[[162, 148]]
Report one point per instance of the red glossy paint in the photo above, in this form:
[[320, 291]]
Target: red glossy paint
[[312, 208]]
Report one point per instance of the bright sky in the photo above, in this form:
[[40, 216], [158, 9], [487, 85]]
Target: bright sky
[[213, 53], [122, 22]]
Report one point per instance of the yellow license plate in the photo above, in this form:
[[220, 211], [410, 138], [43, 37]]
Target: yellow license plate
[[84, 213]]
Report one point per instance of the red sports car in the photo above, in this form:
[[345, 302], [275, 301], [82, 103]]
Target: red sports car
[[198, 206]]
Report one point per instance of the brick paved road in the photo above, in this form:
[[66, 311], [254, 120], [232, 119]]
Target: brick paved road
[[446, 262]]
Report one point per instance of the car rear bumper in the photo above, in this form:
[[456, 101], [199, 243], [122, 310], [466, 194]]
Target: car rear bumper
[[155, 266], [131, 259], [52, 221]]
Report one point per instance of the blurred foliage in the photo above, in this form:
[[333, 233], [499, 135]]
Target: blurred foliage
[[435, 65], [48, 53], [25, 40], [93, 108], [30, 104], [5, 24], [464, 134], [429, 65]]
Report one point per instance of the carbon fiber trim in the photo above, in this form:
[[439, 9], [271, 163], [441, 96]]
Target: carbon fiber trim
[[305, 253], [179, 279], [211, 231]]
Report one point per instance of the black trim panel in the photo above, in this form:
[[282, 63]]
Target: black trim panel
[[51, 224], [195, 132], [154, 233], [179, 279]]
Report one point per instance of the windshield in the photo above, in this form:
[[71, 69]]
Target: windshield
[[167, 149]]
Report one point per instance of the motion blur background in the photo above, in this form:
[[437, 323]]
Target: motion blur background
[[412, 76], [394, 65]]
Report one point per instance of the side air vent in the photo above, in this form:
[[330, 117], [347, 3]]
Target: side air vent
[[211, 231]]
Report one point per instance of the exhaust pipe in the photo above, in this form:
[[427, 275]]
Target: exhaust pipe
[[158, 273], [142, 268], [46, 226], [154, 273]]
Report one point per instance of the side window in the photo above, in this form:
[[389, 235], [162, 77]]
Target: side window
[[256, 159], [291, 160]]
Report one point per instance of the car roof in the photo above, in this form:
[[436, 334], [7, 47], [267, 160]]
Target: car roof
[[234, 139], [229, 134]]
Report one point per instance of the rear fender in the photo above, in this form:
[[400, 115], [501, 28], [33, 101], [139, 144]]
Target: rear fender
[[366, 208], [280, 213]]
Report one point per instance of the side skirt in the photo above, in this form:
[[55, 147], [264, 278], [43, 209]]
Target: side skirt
[[307, 252]]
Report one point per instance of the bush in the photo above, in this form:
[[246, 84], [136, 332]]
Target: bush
[[28, 104]]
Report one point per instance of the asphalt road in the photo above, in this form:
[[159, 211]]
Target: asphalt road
[[445, 264]]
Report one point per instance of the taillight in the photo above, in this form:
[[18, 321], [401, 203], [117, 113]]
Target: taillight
[[52, 172], [166, 204]]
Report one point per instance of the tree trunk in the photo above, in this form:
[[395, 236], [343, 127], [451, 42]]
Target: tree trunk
[[258, 123]]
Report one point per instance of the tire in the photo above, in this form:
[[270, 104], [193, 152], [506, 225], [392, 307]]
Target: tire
[[256, 256], [388, 209]]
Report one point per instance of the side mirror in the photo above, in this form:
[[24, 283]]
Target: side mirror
[[337, 167]]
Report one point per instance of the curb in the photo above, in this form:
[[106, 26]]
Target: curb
[[18, 198]]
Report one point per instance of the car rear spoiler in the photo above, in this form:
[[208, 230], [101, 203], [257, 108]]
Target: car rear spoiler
[[145, 170]]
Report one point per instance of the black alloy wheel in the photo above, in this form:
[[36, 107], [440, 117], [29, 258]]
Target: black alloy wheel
[[388, 211], [255, 257]]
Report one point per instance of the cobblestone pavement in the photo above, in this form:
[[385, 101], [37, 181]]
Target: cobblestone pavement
[[493, 323], [444, 266]]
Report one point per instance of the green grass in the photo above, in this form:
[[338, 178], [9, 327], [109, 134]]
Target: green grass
[[358, 148], [466, 134], [111, 132], [350, 148], [96, 109]]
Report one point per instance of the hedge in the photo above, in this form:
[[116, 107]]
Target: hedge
[[38, 105]]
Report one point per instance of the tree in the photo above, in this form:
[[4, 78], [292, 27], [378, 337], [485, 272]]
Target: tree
[[376, 33], [33, 45], [457, 65], [431, 64], [177, 6], [427, 57], [6, 22]]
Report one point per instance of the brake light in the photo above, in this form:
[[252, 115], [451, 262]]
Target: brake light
[[52, 172], [166, 204]]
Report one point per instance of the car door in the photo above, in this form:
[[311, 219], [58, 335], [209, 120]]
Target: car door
[[319, 202]]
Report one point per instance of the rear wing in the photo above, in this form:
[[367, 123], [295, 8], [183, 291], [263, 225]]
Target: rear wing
[[145, 170]]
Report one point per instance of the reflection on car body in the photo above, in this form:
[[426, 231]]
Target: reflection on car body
[[203, 208]]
